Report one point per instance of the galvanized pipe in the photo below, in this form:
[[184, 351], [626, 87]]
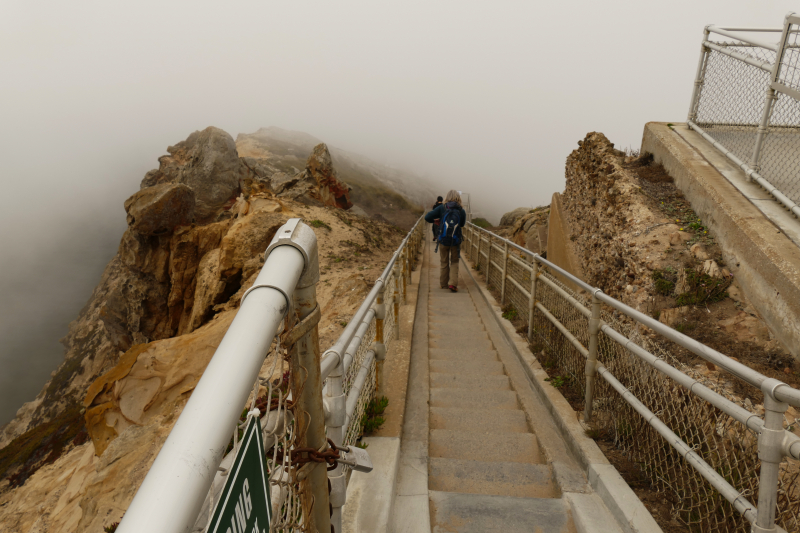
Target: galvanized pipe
[[591, 359], [309, 414], [699, 77], [785, 393], [743, 38], [726, 50], [176, 485], [532, 297], [564, 331], [733, 496], [336, 351]]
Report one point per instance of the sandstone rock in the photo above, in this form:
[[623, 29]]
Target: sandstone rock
[[670, 317], [207, 163], [331, 190], [711, 268], [745, 327], [247, 238], [159, 209], [679, 237], [282, 181], [700, 252], [508, 219]]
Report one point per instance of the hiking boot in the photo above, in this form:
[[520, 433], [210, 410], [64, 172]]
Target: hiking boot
[[453, 288]]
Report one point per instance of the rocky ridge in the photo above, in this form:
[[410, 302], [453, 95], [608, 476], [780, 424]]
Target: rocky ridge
[[396, 194], [192, 247]]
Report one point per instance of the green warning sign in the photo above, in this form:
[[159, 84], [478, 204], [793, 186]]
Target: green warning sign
[[244, 506]]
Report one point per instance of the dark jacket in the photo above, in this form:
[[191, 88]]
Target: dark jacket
[[439, 211]]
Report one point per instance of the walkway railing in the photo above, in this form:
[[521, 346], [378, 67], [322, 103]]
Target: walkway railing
[[746, 102], [720, 457], [277, 324]]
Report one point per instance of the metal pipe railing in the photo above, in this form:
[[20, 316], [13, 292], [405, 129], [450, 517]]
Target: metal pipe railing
[[774, 442], [176, 485], [336, 362], [753, 168]]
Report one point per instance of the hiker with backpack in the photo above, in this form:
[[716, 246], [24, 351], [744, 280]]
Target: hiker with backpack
[[452, 218], [435, 225]]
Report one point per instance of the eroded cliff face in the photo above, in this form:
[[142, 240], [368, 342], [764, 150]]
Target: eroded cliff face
[[196, 234], [638, 239]]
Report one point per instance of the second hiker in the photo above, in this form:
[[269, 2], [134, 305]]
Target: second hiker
[[452, 218]]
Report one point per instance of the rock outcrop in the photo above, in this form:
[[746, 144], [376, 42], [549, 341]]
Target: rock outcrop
[[508, 219], [185, 252], [164, 302]]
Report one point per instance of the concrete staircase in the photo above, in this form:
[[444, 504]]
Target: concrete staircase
[[480, 452], [485, 468]]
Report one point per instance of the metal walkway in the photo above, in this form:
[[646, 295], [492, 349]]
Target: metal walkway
[[494, 459]]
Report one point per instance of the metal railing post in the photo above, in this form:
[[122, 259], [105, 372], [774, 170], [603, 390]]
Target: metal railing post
[[403, 267], [591, 360], [770, 452], [378, 346], [336, 411], [699, 78], [505, 270], [532, 302], [769, 102], [306, 377], [396, 300]]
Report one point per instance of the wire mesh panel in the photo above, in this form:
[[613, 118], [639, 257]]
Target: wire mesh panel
[[725, 444], [731, 102]]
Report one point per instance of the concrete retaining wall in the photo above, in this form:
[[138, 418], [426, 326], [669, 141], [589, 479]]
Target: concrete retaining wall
[[765, 261], [559, 247]]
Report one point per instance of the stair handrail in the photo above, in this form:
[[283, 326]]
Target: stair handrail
[[774, 442]]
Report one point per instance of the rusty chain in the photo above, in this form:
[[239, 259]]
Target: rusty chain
[[300, 456]]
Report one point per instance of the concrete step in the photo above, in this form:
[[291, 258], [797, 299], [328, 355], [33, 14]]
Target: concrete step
[[478, 420], [476, 513], [477, 383], [456, 328], [467, 321], [500, 447], [475, 353], [451, 308], [468, 368], [462, 336], [458, 342], [500, 479], [468, 399]]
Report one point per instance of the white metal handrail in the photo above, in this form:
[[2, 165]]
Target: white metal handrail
[[774, 441], [341, 408], [177, 483], [170, 498]]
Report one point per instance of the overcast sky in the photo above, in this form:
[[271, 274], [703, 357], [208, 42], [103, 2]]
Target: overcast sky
[[487, 97]]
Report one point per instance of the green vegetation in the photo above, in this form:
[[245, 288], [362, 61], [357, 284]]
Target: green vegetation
[[702, 288], [112, 528], [372, 419], [664, 281], [558, 381], [319, 224], [481, 223], [509, 313]]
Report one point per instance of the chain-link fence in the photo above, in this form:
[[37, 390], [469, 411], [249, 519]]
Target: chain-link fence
[[746, 101], [560, 334]]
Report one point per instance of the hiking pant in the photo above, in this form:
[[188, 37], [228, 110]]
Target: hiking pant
[[435, 228], [448, 273]]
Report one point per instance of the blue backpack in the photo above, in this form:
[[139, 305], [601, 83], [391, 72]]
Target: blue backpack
[[448, 228]]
